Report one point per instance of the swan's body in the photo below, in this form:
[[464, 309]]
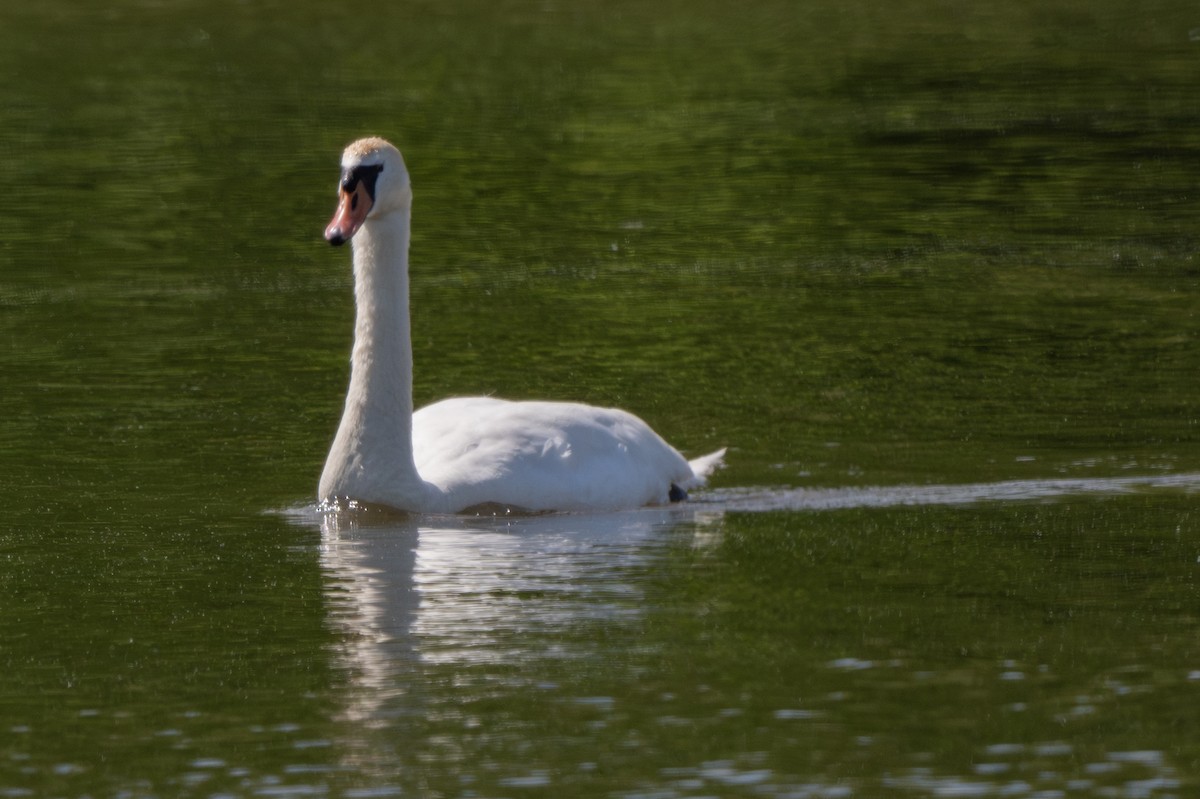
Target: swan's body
[[466, 452]]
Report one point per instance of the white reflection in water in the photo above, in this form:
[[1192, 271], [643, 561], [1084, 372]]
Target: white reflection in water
[[372, 600], [405, 592]]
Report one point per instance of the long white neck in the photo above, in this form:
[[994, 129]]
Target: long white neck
[[371, 459]]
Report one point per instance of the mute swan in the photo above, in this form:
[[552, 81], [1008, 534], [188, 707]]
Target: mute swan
[[466, 452]]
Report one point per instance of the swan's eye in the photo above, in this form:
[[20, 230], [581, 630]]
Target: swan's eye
[[364, 174]]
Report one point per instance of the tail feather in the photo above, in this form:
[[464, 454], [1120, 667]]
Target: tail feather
[[703, 467]]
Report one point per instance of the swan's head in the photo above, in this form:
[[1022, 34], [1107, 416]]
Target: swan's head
[[374, 182]]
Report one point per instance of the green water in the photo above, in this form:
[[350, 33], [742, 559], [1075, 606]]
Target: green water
[[878, 250]]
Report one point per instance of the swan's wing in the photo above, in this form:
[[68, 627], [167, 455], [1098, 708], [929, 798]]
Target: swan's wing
[[543, 455]]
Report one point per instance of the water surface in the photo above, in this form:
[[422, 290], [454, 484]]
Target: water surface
[[927, 269]]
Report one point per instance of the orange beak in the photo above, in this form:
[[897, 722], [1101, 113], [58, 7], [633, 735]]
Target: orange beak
[[353, 207]]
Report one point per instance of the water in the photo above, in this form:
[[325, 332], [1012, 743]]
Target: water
[[927, 269]]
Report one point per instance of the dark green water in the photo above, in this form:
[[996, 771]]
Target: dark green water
[[881, 251]]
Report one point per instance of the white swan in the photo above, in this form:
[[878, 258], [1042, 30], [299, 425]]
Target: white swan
[[467, 452]]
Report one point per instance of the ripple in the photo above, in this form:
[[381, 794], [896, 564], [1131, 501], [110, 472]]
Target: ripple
[[536, 779], [1142, 789], [1054, 749], [731, 776], [999, 750], [292, 790], [1148, 757], [794, 714], [776, 499], [985, 769]]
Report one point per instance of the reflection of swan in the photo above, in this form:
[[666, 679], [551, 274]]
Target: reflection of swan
[[464, 452], [463, 591], [372, 600]]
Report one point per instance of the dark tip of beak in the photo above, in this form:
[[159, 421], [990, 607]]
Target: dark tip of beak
[[335, 239]]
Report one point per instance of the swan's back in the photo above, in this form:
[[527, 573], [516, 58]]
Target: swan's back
[[544, 456]]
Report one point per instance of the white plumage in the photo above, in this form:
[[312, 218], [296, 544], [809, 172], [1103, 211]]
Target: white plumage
[[465, 452]]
